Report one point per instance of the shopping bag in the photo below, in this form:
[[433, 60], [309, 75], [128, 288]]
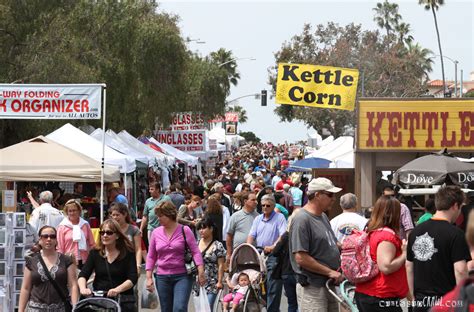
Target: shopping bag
[[201, 303], [149, 299]]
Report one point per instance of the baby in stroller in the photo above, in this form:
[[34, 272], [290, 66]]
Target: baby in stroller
[[238, 292]]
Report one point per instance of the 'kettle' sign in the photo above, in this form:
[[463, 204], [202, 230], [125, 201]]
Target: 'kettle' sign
[[317, 86]]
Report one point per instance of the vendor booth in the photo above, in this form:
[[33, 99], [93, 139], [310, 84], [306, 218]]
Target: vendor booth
[[393, 132]]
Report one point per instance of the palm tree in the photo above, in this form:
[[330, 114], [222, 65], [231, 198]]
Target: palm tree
[[386, 15], [422, 57], [227, 62], [433, 5], [403, 30]]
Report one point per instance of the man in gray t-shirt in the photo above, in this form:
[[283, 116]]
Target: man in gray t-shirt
[[240, 223], [314, 254]]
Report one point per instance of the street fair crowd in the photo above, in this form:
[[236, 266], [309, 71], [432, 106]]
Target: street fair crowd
[[195, 239]]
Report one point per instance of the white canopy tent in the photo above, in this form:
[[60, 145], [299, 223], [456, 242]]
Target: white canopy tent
[[179, 154], [41, 159], [75, 139], [163, 160], [118, 145], [340, 152]]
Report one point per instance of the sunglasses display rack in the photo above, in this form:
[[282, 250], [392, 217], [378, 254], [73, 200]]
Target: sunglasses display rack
[[12, 261]]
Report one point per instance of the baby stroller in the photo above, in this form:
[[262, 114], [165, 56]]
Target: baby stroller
[[344, 294], [246, 259], [101, 304]]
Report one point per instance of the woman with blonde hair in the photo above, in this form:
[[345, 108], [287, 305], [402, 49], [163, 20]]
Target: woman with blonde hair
[[384, 291], [74, 233], [115, 267]]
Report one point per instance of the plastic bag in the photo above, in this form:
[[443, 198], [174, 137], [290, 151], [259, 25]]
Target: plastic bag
[[149, 299], [201, 303]]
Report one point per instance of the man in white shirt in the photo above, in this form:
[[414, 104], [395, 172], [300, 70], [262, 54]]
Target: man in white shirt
[[343, 224], [45, 214]]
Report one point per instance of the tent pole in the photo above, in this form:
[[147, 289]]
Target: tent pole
[[125, 185], [103, 158]]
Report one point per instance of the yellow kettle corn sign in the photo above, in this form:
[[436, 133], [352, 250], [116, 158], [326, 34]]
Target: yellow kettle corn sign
[[317, 86]]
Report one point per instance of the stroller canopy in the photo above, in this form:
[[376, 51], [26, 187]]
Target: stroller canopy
[[246, 256]]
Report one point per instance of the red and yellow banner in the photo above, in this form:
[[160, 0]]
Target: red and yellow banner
[[419, 124]]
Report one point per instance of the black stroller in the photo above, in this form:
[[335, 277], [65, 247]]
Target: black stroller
[[99, 304]]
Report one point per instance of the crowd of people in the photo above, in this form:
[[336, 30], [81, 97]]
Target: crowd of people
[[193, 229]]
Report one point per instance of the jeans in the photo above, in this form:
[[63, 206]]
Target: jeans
[[289, 282], [174, 291], [274, 287], [211, 298]]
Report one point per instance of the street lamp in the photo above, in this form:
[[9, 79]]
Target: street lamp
[[237, 59], [455, 74], [198, 41]]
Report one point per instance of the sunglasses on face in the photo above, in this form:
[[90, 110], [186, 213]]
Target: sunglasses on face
[[108, 233], [266, 205], [328, 194], [46, 236]]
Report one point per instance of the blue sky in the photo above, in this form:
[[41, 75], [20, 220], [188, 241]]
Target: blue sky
[[259, 28]]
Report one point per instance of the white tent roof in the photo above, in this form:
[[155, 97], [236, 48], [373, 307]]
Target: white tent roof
[[340, 152], [75, 139], [217, 134], [118, 145], [41, 159], [162, 159], [183, 156]]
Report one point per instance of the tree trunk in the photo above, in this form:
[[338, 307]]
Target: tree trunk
[[440, 51]]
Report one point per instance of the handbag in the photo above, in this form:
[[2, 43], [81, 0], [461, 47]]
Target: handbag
[[67, 302], [191, 268]]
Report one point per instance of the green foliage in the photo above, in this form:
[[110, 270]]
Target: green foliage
[[387, 68], [469, 94], [139, 53], [250, 137]]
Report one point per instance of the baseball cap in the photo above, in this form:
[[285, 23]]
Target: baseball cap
[[259, 174], [322, 184]]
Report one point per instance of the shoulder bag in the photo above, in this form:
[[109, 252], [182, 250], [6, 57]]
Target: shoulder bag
[[67, 302], [123, 300], [203, 253], [191, 268]]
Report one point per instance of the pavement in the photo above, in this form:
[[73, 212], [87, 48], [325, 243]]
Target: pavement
[[141, 283]]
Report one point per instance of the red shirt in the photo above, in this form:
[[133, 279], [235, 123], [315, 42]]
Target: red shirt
[[394, 285]]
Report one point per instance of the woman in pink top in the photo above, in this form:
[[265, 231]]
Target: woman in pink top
[[74, 233], [166, 253]]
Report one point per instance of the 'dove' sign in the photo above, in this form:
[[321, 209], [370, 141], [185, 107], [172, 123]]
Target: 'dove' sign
[[316, 86]]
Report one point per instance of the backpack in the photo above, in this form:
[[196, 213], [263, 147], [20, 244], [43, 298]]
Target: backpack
[[356, 262]]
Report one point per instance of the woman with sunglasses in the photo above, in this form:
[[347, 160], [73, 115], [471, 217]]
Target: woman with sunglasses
[[74, 233], [167, 254], [119, 212], [37, 290], [115, 267]]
